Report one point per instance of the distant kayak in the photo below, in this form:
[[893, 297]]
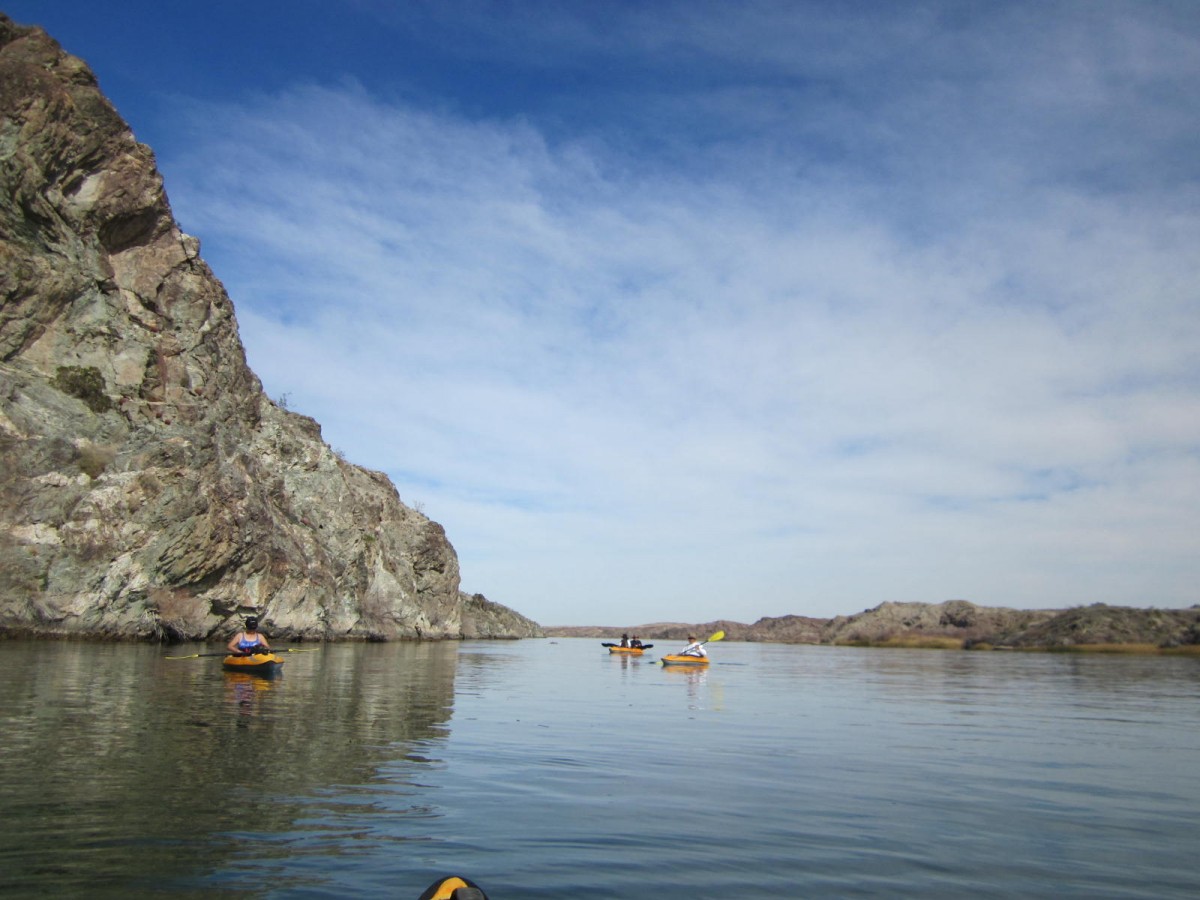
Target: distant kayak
[[454, 888], [617, 648], [263, 664], [675, 659]]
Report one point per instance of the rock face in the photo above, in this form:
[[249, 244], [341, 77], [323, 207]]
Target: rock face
[[149, 489]]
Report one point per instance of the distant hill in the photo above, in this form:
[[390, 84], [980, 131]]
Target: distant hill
[[955, 623]]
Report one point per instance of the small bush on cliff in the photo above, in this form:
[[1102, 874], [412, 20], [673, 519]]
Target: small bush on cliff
[[85, 383], [95, 458]]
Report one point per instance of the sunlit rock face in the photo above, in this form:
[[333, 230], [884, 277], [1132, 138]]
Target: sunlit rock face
[[148, 487]]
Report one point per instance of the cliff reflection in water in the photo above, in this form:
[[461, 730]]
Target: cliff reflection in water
[[120, 768]]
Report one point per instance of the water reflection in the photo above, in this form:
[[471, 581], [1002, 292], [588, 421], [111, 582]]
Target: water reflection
[[695, 677], [628, 662], [193, 760], [244, 690]]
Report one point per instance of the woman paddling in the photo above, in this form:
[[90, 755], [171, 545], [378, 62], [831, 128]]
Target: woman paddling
[[249, 642]]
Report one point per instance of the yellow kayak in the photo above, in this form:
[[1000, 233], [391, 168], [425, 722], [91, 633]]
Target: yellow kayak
[[676, 659], [265, 664], [454, 887], [628, 651]]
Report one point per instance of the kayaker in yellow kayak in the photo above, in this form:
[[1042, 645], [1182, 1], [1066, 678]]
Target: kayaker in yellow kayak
[[249, 641], [694, 648]]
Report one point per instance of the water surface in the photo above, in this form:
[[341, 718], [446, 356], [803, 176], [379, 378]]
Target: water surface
[[551, 769]]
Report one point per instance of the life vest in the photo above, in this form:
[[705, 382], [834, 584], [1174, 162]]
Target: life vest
[[245, 645]]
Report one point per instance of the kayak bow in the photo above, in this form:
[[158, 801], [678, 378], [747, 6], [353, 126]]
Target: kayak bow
[[453, 888]]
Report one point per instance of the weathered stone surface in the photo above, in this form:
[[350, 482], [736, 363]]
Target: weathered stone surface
[[149, 489]]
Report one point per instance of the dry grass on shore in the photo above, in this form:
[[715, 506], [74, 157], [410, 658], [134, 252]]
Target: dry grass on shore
[[909, 642], [1182, 650]]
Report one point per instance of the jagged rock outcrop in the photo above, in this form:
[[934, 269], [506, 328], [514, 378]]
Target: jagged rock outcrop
[[148, 487], [1101, 624], [959, 619]]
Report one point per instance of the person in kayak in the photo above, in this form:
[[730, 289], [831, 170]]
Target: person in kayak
[[249, 641], [694, 648], [625, 640], [635, 642]]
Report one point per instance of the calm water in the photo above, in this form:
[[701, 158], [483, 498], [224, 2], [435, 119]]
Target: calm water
[[550, 769]]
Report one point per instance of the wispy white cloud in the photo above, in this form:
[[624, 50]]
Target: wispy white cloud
[[780, 374]]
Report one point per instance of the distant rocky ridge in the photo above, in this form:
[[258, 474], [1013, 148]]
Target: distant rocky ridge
[[148, 487], [953, 623]]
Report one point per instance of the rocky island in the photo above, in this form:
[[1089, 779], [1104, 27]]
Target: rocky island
[[149, 488]]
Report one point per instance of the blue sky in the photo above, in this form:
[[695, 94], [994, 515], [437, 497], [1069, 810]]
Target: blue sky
[[697, 310]]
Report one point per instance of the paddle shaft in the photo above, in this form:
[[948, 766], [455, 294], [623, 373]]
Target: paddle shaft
[[235, 653]]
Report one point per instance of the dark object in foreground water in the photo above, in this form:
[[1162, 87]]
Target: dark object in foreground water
[[454, 887]]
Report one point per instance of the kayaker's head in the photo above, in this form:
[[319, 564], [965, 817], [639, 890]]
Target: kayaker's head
[[252, 623], [692, 638]]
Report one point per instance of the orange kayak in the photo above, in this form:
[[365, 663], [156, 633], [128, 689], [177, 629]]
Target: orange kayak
[[265, 664], [676, 659], [628, 651]]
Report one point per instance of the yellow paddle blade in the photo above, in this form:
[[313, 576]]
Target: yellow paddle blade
[[447, 888], [716, 637]]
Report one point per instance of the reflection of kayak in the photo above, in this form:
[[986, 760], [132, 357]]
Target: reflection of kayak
[[454, 888], [628, 651], [265, 664], [676, 659]]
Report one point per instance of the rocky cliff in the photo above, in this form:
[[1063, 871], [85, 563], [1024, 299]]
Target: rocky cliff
[[149, 489]]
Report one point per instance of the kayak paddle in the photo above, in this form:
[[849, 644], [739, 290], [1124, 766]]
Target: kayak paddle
[[715, 636], [229, 653]]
